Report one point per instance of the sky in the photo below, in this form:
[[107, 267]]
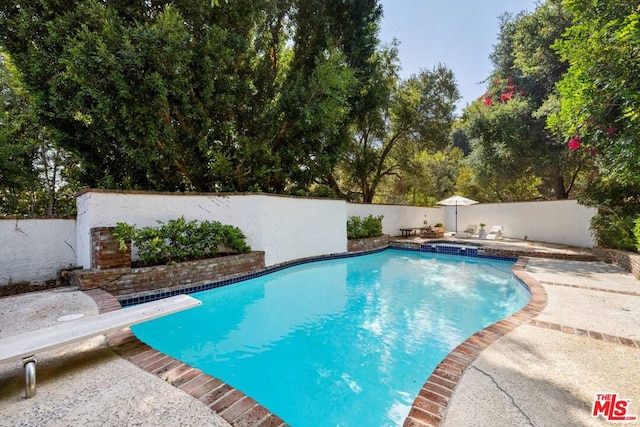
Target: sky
[[457, 33]]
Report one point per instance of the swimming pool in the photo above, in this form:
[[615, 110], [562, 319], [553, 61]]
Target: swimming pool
[[342, 342]]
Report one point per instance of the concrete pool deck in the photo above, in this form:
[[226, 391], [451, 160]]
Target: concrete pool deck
[[580, 337], [544, 366]]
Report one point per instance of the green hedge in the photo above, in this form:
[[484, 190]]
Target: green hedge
[[370, 226], [179, 240]]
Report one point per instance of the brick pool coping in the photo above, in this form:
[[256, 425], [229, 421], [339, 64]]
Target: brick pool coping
[[231, 404], [433, 398], [428, 409]]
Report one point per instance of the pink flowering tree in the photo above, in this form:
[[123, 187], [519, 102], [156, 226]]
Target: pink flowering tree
[[508, 123], [600, 111]]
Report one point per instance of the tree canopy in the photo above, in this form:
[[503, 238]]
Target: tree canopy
[[300, 97], [599, 112], [184, 96], [515, 154]]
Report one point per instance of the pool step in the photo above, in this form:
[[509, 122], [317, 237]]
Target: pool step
[[449, 249]]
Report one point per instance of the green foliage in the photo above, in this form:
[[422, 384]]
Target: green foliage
[[417, 115], [599, 110], [612, 231], [600, 99], [370, 226], [510, 140], [618, 206], [424, 179], [502, 162], [36, 176], [180, 240], [175, 96]]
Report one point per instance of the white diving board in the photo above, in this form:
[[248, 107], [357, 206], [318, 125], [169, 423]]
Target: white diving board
[[25, 346]]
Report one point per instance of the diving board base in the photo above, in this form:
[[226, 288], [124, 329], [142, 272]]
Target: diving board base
[[25, 346]]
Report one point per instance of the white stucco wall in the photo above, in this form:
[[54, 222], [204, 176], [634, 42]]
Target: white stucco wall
[[35, 249], [286, 228], [559, 221], [396, 217], [296, 228], [102, 209]]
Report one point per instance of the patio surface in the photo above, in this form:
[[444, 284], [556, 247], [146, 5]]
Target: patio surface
[[584, 341], [548, 371]]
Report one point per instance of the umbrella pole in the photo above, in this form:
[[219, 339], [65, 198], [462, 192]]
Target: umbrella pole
[[456, 217]]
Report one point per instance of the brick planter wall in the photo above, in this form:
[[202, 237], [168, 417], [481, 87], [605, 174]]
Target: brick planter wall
[[127, 282], [105, 250], [367, 244], [628, 260]]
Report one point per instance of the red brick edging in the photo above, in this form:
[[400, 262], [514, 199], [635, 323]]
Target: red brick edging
[[433, 399], [593, 288], [591, 334], [231, 404], [428, 408]]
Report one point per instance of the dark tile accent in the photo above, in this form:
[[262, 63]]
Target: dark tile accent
[[242, 278]]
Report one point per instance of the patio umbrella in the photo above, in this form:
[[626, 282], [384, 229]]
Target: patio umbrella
[[457, 201]]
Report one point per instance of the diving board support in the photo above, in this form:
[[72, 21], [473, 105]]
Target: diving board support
[[26, 346], [29, 364]]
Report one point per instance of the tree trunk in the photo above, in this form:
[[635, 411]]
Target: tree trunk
[[559, 189]]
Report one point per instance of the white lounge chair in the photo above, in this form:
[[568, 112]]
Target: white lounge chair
[[495, 233], [468, 232]]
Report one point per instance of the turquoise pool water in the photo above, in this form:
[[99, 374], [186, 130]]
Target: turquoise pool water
[[345, 342]]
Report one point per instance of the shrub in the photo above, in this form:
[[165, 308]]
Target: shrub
[[370, 226], [614, 231], [180, 240]]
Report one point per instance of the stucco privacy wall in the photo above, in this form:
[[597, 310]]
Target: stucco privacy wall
[[294, 228], [34, 250], [285, 228], [560, 221], [396, 217]]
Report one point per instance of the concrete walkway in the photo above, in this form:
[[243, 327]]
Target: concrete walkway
[[547, 372], [86, 384]]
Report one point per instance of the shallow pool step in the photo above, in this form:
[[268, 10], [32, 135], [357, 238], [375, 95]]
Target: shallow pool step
[[439, 248]]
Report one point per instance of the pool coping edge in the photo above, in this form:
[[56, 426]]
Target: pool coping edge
[[428, 409]]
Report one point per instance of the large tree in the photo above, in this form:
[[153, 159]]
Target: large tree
[[17, 137], [327, 87], [416, 115], [515, 153], [600, 109], [181, 95], [36, 176]]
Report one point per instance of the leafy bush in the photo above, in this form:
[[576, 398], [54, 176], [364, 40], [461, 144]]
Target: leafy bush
[[613, 231], [180, 240], [370, 226], [618, 206]]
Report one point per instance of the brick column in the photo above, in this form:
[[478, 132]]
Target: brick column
[[105, 250]]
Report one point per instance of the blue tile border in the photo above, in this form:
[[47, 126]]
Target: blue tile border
[[241, 278], [456, 250], [462, 250]]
